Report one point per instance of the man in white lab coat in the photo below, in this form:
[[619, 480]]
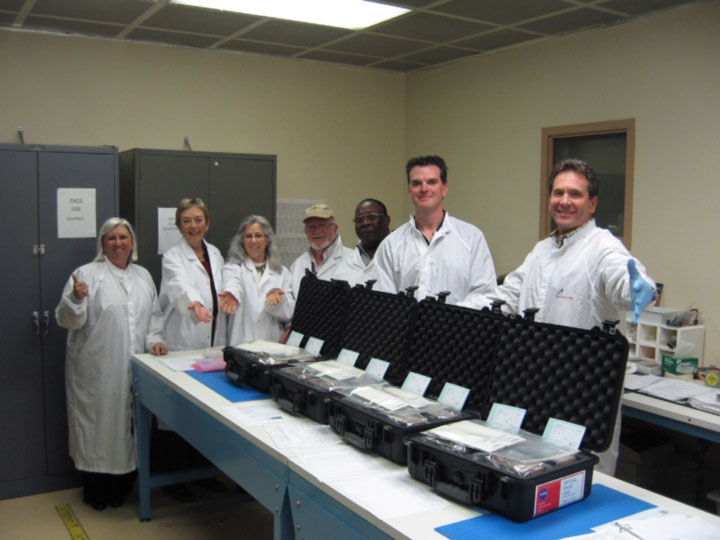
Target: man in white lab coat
[[372, 225], [434, 251], [326, 249], [581, 274]]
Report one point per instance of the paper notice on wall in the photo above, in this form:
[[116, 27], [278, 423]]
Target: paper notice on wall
[[168, 233], [76, 213]]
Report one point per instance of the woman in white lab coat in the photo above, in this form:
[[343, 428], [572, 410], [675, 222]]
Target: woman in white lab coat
[[191, 281], [110, 306], [190, 295], [262, 300]]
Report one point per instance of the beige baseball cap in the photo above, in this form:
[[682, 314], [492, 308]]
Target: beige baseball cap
[[319, 211]]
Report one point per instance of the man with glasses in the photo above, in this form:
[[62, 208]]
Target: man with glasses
[[326, 250], [433, 251], [372, 225]]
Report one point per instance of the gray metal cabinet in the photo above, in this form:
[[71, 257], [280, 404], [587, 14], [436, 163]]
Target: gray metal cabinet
[[232, 185], [34, 452]]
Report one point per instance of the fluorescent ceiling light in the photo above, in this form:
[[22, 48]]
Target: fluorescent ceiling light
[[352, 14]]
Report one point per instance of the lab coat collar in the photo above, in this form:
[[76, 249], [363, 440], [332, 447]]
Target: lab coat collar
[[333, 251], [576, 234]]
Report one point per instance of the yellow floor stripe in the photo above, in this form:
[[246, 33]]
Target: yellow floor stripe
[[72, 524]]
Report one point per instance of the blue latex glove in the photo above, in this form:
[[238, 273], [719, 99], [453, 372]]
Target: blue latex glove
[[641, 292]]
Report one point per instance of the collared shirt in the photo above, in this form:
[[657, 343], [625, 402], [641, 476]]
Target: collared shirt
[[456, 259], [560, 238], [332, 257]]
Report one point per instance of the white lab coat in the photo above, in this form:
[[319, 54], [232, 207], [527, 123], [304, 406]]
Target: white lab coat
[[333, 257], [184, 281], [254, 319], [120, 317], [457, 260], [580, 284], [355, 270]]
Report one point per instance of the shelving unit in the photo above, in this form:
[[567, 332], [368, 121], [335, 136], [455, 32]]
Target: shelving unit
[[651, 338]]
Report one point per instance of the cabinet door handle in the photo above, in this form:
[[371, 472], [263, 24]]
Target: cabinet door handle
[[36, 322], [46, 322]]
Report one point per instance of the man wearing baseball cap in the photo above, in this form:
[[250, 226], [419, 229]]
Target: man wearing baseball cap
[[326, 250]]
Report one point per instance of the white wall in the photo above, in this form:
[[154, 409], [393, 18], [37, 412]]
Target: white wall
[[485, 115], [338, 131]]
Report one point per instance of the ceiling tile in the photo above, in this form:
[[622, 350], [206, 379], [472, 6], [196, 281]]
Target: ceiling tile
[[636, 7], [71, 26], [501, 12], [570, 21], [261, 48], [430, 27], [119, 11], [340, 58], [495, 40], [199, 21], [12, 5], [174, 38], [294, 33], [410, 3], [437, 55], [398, 65], [376, 45], [7, 18]]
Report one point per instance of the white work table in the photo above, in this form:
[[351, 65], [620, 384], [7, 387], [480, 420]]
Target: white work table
[[303, 506], [672, 415]]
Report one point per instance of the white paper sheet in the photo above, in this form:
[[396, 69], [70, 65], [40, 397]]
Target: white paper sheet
[[256, 413], [180, 363], [637, 381], [676, 390], [301, 434], [390, 495]]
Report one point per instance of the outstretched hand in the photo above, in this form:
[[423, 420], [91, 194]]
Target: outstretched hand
[[201, 312], [641, 292], [274, 297], [228, 303]]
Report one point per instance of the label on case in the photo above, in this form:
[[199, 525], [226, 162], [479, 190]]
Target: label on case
[[314, 345], [559, 492], [295, 339]]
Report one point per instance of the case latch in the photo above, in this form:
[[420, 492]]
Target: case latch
[[430, 472], [410, 292], [369, 438], [442, 295], [477, 492], [609, 326], [340, 424], [369, 284], [496, 306], [529, 313]]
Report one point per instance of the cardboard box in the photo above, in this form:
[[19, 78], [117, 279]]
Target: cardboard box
[[679, 366]]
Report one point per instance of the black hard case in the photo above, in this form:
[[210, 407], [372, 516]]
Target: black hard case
[[553, 371], [445, 342], [320, 312], [377, 325]]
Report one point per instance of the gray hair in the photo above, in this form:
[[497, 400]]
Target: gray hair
[[108, 226], [237, 253]]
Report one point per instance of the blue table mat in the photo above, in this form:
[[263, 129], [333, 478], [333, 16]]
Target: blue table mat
[[603, 505], [218, 382]]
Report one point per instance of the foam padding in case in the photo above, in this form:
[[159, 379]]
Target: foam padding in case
[[378, 325]]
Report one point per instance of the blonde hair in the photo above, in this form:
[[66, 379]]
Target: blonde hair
[[108, 226]]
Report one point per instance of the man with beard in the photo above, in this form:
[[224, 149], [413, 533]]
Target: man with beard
[[326, 250], [372, 225]]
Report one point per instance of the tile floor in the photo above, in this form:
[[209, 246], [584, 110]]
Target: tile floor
[[212, 516]]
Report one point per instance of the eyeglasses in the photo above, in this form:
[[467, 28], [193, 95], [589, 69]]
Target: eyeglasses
[[317, 226], [368, 218], [256, 236]]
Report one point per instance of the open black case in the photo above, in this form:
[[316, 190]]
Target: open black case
[[377, 325], [551, 371], [320, 312]]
